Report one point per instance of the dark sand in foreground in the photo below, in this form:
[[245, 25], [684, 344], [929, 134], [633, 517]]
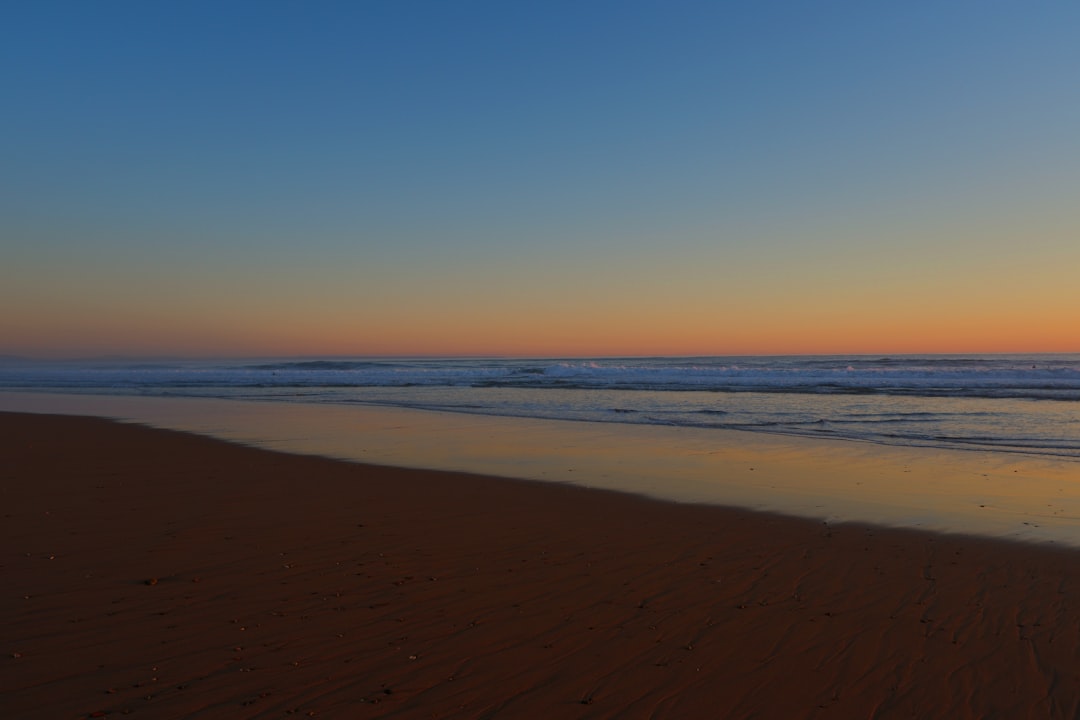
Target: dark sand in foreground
[[164, 575]]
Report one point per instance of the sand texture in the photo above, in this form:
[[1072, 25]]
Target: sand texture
[[162, 575]]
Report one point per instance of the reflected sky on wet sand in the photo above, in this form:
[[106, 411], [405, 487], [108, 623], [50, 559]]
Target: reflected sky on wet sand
[[995, 494]]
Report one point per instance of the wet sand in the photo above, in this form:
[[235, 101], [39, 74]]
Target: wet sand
[[1003, 495], [167, 575]]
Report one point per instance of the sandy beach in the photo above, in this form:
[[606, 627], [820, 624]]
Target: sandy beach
[[167, 575]]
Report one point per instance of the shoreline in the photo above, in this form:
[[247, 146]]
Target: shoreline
[[174, 574], [983, 493]]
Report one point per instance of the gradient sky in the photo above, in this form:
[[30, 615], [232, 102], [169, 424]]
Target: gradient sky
[[539, 178]]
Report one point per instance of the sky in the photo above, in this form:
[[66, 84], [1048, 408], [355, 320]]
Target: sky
[[550, 178]]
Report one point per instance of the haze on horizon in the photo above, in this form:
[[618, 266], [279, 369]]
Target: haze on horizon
[[574, 179]]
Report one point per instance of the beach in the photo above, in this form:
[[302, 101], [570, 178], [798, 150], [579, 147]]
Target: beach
[[163, 574], [539, 360]]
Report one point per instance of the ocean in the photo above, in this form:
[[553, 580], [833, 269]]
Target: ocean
[[1026, 404]]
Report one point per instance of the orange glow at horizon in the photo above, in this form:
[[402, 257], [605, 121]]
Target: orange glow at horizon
[[696, 334], [886, 304]]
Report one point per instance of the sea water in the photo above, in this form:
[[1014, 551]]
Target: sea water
[[1027, 404]]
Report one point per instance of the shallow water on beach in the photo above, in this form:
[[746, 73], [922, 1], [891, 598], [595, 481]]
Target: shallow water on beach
[[988, 493], [1005, 403]]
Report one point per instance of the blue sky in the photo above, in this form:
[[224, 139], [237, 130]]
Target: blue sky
[[295, 177]]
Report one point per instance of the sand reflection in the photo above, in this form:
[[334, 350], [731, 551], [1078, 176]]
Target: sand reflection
[[1016, 496]]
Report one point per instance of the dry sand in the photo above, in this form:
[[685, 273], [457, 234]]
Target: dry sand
[[165, 575]]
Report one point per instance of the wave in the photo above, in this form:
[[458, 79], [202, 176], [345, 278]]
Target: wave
[[980, 402], [315, 365], [1015, 377]]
